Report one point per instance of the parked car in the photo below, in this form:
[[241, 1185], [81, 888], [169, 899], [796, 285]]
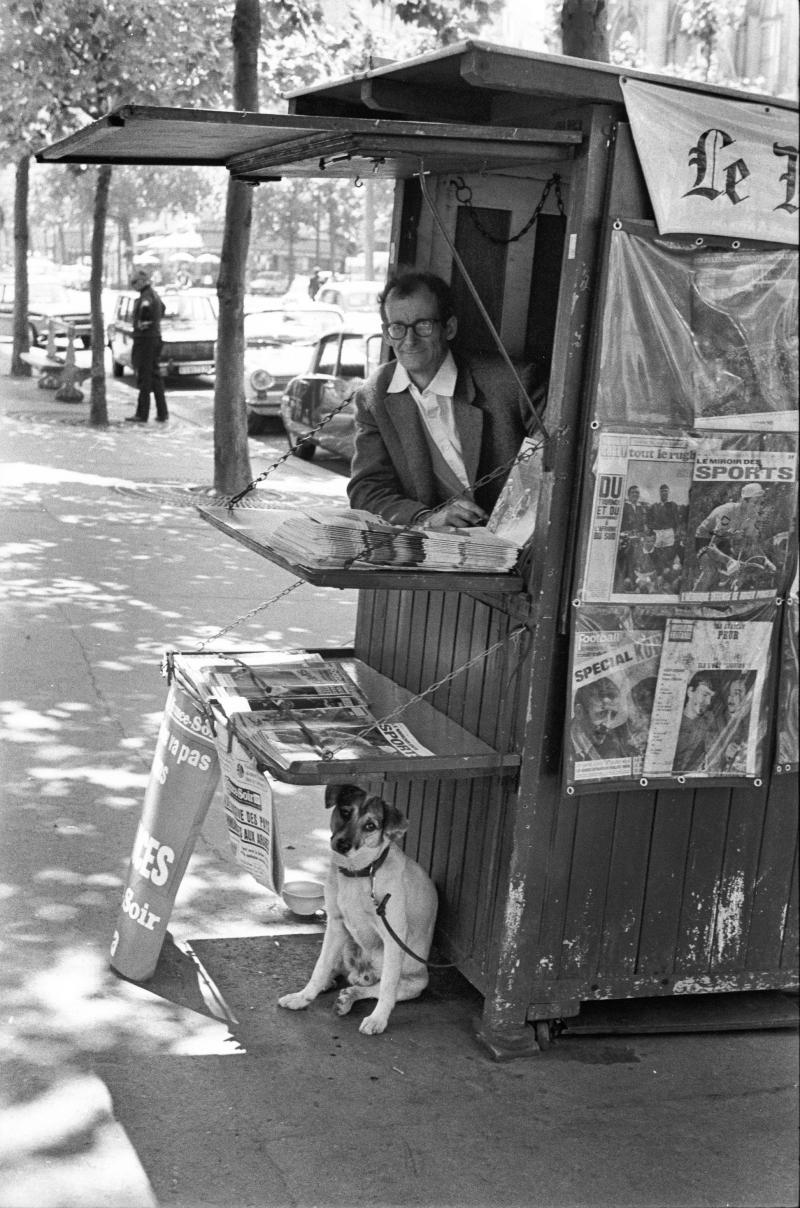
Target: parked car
[[188, 332], [271, 284], [357, 299], [47, 299], [278, 345], [340, 363]]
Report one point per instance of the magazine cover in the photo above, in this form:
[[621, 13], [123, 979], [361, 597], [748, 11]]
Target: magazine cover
[[741, 521], [267, 680], [614, 666], [324, 734], [708, 713], [635, 536], [250, 815], [514, 514]]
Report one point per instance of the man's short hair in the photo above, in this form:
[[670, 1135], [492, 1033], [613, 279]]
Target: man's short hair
[[408, 281], [140, 274]]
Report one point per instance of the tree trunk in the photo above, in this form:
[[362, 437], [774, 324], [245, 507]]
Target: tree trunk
[[232, 471], [21, 336], [584, 29], [98, 410]]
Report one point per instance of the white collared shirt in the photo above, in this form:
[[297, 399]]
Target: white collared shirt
[[435, 404]]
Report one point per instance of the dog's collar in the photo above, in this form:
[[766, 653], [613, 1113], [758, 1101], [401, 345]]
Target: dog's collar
[[370, 870]]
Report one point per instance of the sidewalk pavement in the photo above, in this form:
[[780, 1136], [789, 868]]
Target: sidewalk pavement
[[196, 1089]]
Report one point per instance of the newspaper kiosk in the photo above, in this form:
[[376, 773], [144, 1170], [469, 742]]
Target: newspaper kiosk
[[631, 830]]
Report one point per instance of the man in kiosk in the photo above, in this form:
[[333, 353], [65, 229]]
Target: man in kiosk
[[427, 429]]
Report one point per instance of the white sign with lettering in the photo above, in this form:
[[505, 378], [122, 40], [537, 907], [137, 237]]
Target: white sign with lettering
[[715, 166]]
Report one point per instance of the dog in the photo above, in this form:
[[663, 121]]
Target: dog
[[369, 871]]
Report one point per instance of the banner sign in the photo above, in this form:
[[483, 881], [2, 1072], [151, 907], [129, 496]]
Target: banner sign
[[183, 779], [715, 166]]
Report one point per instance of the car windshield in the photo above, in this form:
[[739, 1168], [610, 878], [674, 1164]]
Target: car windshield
[[188, 308], [289, 326]]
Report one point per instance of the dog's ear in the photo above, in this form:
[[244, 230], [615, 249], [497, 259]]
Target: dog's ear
[[342, 794], [395, 823]]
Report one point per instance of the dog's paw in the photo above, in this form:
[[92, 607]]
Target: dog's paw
[[374, 1024], [343, 1001], [294, 1002]]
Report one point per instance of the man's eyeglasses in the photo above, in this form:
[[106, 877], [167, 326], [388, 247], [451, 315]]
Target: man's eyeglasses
[[397, 331]]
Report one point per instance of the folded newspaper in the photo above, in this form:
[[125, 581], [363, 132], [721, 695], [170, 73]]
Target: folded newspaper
[[324, 734]]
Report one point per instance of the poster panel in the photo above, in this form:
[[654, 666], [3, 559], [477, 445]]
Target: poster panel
[[727, 167], [614, 667], [742, 518], [250, 814], [635, 535], [708, 716]]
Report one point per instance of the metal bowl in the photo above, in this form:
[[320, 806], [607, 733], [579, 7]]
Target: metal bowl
[[303, 897]]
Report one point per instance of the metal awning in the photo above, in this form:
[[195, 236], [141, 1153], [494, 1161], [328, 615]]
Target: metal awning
[[265, 146]]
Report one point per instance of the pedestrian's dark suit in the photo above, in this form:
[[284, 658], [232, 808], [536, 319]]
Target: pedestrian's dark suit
[[148, 310], [398, 475]]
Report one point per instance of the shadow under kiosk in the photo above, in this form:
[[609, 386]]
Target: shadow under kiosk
[[595, 854]]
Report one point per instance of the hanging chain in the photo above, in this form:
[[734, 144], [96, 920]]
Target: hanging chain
[[253, 612], [235, 499], [464, 198], [330, 752]]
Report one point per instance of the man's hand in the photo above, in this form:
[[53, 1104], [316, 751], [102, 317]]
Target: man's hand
[[461, 513]]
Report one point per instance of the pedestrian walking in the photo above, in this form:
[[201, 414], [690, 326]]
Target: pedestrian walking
[[148, 310]]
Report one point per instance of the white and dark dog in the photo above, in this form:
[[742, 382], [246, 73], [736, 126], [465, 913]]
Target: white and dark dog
[[370, 873]]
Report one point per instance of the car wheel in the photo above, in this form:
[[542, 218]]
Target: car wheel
[[256, 424], [117, 368]]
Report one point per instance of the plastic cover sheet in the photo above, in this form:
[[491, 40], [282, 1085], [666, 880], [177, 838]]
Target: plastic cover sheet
[[787, 741], [678, 698], [698, 337]]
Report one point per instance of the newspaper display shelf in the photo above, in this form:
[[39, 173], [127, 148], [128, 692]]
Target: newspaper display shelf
[[653, 301], [452, 752]]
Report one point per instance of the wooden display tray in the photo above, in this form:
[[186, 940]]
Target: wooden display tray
[[457, 754], [251, 528]]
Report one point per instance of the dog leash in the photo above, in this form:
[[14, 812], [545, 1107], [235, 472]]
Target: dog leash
[[380, 907]]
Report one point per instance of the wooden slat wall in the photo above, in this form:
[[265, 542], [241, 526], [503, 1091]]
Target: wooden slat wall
[[455, 826], [652, 890]]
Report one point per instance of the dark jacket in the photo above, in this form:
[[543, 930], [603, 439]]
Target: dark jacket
[[148, 310], [392, 470]]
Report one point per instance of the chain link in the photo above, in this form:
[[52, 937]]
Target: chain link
[[231, 504], [464, 198], [330, 752], [253, 612]]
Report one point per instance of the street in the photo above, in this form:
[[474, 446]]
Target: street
[[195, 1089]]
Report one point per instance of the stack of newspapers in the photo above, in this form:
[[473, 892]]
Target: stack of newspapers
[[335, 538], [330, 539], [289, 707]]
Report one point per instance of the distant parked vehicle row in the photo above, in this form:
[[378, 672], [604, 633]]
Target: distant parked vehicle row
[[47, 300], [358, 300]]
